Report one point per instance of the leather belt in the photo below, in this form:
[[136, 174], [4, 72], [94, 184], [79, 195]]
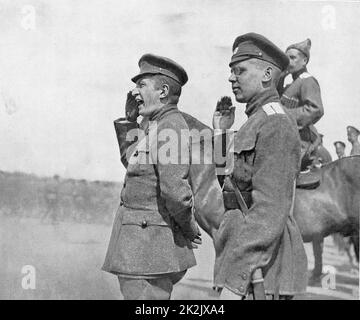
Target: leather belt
[[231, 201]]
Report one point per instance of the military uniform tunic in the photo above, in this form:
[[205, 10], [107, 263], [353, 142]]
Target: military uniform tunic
[[266, 155], [302, 98], [156, 204]]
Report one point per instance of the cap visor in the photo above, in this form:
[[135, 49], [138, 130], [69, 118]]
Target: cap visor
[[141, 75]]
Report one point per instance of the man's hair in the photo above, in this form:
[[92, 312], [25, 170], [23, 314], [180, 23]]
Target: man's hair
[[262, 65], [174, 87]]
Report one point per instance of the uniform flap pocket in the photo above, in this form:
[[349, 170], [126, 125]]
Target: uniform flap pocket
[[143, 145], [244, 142], [144, 218]]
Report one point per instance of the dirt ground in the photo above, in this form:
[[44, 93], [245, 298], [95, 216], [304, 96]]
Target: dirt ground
[[67, 259]]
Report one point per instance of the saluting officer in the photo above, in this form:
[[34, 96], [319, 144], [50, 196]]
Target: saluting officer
[[154, 230], [266, 158], [303, 97]]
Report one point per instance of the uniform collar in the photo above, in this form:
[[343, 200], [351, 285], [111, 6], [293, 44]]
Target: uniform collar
[[167, 108], [267, 96], [298, 73]]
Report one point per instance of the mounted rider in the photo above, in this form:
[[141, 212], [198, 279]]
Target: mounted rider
[[302, 98]]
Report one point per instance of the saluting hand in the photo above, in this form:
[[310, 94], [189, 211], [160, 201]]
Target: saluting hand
[[224, 115], [131, 108]]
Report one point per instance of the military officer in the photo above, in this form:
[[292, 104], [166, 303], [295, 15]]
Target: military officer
[[154, 230], [263, 235], [353, 136], [302, 97], [340, 149]]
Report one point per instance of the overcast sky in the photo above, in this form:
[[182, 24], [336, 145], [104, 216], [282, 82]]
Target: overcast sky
[[65, 69]]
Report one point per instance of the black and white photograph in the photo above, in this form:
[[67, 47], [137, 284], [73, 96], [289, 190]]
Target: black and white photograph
[[179, 150]]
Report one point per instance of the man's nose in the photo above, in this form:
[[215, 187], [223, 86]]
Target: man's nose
[[134, 91], [232, 78]]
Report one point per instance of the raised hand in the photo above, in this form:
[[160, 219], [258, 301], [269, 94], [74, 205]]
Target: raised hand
[[131, 108], [224, 115]]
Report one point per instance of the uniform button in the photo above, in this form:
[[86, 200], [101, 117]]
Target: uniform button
[[241, 289], [144, 224], [244, 276]]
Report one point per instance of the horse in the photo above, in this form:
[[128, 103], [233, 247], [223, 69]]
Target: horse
[[333, 207], [318, 158]]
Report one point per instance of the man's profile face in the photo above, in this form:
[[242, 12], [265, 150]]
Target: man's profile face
[[147, 96], [246, 80], [297, 60], [340, 150], [352, 136]]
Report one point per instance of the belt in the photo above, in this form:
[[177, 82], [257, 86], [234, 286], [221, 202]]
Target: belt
[[231, 202]]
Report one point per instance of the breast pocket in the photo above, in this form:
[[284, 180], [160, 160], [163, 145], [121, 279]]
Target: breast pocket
[[140, 163], [244, 157]]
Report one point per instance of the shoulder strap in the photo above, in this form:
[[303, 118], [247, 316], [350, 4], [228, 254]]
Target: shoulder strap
[[305, 75], [273, 108], [240, 199]]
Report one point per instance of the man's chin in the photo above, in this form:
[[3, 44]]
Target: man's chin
[[239, 98]]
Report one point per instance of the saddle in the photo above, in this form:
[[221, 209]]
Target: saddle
[[309, 179]]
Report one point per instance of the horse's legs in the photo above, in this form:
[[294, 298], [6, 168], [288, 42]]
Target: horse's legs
[[317, 245], [354, 239]]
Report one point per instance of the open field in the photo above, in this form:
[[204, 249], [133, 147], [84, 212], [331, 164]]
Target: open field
[[66, 245], [67, 258]]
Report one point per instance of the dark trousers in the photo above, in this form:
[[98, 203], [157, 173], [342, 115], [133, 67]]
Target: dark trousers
[[159, 288], [250, 296]]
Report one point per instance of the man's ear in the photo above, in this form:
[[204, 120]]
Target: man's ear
[[268, 74], [164, 91]]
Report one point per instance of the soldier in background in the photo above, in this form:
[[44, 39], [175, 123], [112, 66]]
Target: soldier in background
[[353, 135], [320, 155], [302, 98], [340, 149], [80, 200], [51, 197]]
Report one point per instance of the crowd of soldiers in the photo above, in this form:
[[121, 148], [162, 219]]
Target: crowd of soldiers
[[77, 200], [353, 137]]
